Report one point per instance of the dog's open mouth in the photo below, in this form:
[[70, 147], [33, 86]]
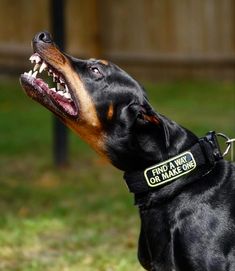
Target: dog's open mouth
[[57, 97]]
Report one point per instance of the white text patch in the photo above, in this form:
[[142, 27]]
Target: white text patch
[[170, 169]]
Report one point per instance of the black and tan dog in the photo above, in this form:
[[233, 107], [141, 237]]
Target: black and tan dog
[[185, 191]]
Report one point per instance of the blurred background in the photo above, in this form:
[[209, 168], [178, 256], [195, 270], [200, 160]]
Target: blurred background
[[80, 216], [154, 39]]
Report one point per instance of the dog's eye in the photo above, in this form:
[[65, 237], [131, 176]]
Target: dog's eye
[[95, 70]]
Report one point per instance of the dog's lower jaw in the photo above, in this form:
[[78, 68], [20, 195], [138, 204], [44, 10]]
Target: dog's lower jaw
[[92, 135]]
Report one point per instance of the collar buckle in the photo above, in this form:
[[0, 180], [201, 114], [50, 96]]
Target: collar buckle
[[203, 155], [211, 138], [229, 142]]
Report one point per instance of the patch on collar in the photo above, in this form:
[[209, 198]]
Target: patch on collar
[[170, 170]]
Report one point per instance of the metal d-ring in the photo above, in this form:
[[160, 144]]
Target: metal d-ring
[[229, 142]]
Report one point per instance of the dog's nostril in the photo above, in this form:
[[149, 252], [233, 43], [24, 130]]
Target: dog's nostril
[[43, 36]]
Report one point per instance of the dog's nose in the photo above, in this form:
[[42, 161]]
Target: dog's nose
[[43, 37]]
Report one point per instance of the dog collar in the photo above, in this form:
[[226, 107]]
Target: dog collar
[[206, 152]]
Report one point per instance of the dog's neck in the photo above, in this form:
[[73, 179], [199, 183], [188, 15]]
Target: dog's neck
[[179, 141], [176, 139], [144, 146]]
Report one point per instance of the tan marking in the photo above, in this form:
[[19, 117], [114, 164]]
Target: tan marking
[[152, 119], [87, 111], [52, 55], [104, 62], [88, 126], [94, 137], [110, 112]]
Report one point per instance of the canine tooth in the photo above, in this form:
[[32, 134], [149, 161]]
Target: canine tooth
[[32, 58], [36, 67], [61, 93], [35, 74], [66, 88], [61, 80], [53, 89], [50, 73], [60, 87], [43, 67], [67, 95], [37, 58], [30, 73]]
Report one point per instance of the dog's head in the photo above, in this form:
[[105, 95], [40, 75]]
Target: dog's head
[[97, 100]]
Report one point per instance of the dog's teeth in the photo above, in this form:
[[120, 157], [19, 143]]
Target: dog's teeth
[[31, 59], [58, 86], [67, 95], [35, 74], [66, 88], [53, 89], [36, 67], [61, 80], [55, 77], [37, 58], [50, 73], [30, 73], [61, 93], [43, 67]]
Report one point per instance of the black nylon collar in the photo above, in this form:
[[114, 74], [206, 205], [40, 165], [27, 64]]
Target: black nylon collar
[[206, 152]]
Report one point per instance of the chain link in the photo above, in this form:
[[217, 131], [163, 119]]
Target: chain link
[[229, 142]]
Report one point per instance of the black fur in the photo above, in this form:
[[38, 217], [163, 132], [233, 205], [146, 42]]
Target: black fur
[[186, 225]]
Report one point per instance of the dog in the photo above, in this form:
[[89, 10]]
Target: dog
[[183, 187]]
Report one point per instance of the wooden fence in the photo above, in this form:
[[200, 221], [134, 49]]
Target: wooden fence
[[152, 39]]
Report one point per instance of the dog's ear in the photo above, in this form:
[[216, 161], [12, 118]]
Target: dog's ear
[[140, 115], [147, 115]]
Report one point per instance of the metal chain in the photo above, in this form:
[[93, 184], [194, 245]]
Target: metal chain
[[229, 142]]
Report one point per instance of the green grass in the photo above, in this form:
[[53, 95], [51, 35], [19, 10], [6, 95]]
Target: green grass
[[199, 106], [81, 217]]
